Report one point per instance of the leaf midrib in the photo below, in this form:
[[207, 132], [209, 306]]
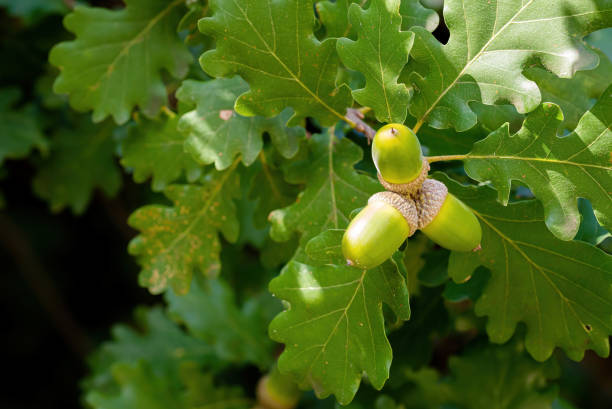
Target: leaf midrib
[[539, 268], [468, 65], [204, 210], [286, 68], [137, 39], [333, 332], [533, 159]]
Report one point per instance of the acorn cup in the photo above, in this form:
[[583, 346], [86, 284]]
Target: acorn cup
[[445, 219], [397, 155], [379, 229]]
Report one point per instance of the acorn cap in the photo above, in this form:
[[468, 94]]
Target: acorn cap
[[409, 188], [429, 200], [405, 205]]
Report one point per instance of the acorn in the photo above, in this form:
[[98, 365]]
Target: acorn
[[445, 219], [396, 152], [379, 229], [277, 391]]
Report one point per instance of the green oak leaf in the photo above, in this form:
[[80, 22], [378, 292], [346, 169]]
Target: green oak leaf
[[414, 14], [178, 240], [33, 10], [81, 160], [491, 117], [19, 131], [284, 64], [156, 149], [573, 95], [117, 58], [490, 44], [334, 331], [333, 189], [159, 342], [516, 381], [557, 169], [140, 388], [590, 230], [210, 313], [335, 16], [269, 189], [203, 393], [216, 134], [380, 54], [561, 290]]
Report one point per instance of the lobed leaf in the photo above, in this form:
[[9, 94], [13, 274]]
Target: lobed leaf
[[490, 44], [514, 381], [140, 388], [333, 189], [415, 15], [210, 313], [159, 342], [519, 381], [179, 240], [157, 149], [558, 170], [561, 290], [283, 63], [216, 134], [270, 190], [334, 329], [116, 61], [81, 160], [335, 16], [19, 132], [573, 95], [380, 54]]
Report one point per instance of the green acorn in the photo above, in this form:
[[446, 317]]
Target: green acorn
[[396, 152], [379, 229], [277, 391], [445, 219]]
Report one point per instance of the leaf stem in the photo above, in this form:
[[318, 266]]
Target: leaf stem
[[432, 159], [418, 126]]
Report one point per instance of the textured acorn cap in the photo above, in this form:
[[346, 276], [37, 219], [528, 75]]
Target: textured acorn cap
[[429, 199], [405, 205], [407, 188]]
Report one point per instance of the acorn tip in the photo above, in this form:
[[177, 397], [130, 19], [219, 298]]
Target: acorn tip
[[477, 248]]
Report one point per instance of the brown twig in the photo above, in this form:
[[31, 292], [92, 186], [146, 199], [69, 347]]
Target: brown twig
[[14, 239], [356, 116]]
